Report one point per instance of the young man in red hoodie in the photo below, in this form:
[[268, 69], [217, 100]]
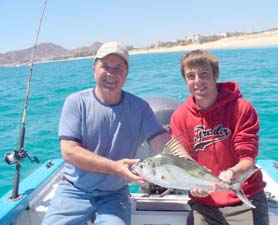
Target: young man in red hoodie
[[219, 129]]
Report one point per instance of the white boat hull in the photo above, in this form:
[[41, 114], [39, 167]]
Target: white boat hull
[[38, 189]]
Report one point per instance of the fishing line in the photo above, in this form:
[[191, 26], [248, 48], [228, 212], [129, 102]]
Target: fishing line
[[18, 155]]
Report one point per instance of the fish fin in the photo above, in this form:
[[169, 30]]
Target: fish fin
[[169, 190], [240, 194], [175, 147]]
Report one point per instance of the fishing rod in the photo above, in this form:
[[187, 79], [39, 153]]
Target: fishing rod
[[19, 154]]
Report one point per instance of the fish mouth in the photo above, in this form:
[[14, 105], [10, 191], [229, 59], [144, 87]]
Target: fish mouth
[[139, 161], [137, 167], [134, 170]]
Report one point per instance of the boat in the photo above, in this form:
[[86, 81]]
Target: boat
[[149, 206]]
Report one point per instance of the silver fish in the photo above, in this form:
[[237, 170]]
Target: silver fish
[[174, 172]]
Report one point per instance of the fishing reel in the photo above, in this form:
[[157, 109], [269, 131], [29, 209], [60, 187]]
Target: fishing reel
[[17, 156]]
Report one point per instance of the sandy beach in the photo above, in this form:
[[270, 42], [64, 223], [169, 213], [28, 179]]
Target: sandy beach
[[261, 39]]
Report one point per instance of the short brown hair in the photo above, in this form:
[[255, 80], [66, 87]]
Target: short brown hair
[[199, 57]]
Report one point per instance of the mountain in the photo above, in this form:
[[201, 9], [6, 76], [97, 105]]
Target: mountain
[[86, 51], [46, 52]]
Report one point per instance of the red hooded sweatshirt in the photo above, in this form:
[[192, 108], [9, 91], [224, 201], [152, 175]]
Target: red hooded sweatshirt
[[219, 137]]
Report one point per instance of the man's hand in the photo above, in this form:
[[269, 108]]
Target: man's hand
[[123, 168]]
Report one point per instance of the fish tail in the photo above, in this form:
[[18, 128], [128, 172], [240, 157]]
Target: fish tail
[[246, 175], [240, 194], [238, 190]]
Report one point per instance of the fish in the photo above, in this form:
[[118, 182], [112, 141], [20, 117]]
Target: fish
[[171, 169]]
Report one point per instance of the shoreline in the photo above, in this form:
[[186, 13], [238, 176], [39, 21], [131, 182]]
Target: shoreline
[[262, 39], [254, 40], [265, 39]]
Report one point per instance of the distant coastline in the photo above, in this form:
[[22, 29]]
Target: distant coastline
[[262, 39], [268, 38]]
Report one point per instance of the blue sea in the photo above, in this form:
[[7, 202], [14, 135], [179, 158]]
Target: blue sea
[[256, 71]]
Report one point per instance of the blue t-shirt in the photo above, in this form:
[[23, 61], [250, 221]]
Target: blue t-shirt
[[112, 131]]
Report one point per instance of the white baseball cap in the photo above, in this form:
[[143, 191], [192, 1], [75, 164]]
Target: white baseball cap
[[112, 48]]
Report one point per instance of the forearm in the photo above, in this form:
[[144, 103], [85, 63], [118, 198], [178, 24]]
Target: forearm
[[242, 167], [84, 159]]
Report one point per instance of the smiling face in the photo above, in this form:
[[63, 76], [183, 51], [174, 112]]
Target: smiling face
[[200, 70], [110, 74], [201, 83]]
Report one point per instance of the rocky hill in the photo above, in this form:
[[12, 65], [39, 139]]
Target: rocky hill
[[46, 52]]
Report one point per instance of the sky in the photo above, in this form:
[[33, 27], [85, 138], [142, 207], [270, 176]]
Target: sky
[[77, 23]]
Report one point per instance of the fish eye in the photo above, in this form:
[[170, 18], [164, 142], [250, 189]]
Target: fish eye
[[141, 166]]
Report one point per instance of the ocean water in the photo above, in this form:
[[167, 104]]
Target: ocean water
[[256, 71]]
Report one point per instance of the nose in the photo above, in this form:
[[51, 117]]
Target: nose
[[197, 78], [109, 71]]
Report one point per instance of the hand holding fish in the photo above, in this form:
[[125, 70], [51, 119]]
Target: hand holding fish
[[199, 193], [218, 187], [227, 176], [168, 170], [124, 170], [173, 172]]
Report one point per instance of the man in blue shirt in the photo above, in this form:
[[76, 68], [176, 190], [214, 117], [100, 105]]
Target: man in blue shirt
[[100, 131]]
